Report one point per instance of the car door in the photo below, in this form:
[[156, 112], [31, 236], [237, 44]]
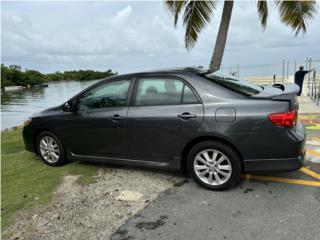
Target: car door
[[97, 127], [164, 113]]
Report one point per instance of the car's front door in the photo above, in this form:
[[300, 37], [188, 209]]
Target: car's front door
[[163, 115], [97, 127]]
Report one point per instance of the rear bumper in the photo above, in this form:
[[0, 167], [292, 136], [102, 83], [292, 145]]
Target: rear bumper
[[287, 164], [294, 145]]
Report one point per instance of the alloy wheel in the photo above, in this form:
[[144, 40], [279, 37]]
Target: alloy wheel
[[49, 149], [212, 167]]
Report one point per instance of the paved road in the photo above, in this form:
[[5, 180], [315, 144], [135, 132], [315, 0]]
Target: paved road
[[254, 210]]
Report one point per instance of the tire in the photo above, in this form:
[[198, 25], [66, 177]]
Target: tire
[[50, 149], [227, 165]]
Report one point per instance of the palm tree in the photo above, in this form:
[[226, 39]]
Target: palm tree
[[197, 14]]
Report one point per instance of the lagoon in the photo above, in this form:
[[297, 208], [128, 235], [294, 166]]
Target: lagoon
[[17, 106]]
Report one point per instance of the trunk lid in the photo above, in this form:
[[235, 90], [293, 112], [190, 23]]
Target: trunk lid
[[280, 92]]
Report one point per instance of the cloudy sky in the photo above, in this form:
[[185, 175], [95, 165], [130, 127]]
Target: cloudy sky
[[134, 36]]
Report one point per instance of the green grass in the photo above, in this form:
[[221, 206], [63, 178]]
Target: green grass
[[26, 180]]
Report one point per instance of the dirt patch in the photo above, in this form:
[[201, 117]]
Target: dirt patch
[[92, 211], [129, 196], [68, 185]]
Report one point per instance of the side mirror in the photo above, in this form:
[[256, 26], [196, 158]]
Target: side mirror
[[67, 107]]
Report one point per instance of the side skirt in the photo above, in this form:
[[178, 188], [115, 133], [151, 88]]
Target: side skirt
[[172, 165]]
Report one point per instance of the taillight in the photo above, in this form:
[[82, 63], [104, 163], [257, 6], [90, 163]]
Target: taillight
[[284, 119]]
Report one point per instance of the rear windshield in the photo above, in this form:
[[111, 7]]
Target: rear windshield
[[233, 83]]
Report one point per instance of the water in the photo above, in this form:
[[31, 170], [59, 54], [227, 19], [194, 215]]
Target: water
[[17, 106]]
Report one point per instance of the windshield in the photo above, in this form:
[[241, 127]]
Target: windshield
[[233, 83]]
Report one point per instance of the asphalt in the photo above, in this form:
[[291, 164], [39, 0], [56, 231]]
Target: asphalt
[[254, 210], [261, 209]]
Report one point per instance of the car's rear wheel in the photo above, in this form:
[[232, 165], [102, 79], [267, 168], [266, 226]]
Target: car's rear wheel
[[50, 149], [214, 165]]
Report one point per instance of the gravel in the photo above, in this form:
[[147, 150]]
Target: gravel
[[92, 211]]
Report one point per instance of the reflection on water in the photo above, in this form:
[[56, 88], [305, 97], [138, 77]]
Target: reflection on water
[[16, 106]]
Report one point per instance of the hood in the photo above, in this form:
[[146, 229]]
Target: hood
[[48, 112]]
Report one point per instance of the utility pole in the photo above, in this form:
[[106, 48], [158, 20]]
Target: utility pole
[[287, 69], [283, 70], [309, 81], [238, 69]]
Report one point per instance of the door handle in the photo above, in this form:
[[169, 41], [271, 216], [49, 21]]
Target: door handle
[[186, 115], [117, 117]]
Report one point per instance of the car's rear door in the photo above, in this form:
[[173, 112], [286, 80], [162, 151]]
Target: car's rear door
[[164, 113]]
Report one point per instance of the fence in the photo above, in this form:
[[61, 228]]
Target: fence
[[283, 69], [313, 86], [281, 73]]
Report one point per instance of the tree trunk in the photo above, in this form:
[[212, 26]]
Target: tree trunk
[[217, 55]]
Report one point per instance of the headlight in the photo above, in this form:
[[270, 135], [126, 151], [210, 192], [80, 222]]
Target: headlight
[[27, 122]]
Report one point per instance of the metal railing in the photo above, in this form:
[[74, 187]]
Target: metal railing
[[281, 72], [266, 80], [284, 70], [313, 86]]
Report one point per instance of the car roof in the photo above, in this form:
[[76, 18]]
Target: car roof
[[184, 70]]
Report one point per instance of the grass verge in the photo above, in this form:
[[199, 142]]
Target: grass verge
[[26, 180]]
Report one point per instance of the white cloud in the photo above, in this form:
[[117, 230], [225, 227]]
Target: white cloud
[[124, 34], [131, 36], [122, 17]]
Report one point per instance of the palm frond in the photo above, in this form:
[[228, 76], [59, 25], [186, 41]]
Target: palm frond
[[262, 6], [297, 14], [196, 16], [175, 8]]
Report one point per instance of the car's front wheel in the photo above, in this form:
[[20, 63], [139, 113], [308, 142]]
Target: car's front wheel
[[214, 165], [50, 149]]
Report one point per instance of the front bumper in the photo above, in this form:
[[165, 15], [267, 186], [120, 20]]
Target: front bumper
[[28, 138]]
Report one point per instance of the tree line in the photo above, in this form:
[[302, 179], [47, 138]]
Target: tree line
[[13, 75]]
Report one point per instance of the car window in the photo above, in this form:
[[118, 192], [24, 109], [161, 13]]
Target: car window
[[233, 83], [112, 94], [188, 96], [159, 92]]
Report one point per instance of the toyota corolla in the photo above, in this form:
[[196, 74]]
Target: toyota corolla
[[212, 125]]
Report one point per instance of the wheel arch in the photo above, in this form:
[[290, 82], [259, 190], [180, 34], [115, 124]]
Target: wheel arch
[[36, 134], [197, 140]]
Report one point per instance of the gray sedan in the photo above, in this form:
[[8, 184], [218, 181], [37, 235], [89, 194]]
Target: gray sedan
[[212, 125]]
